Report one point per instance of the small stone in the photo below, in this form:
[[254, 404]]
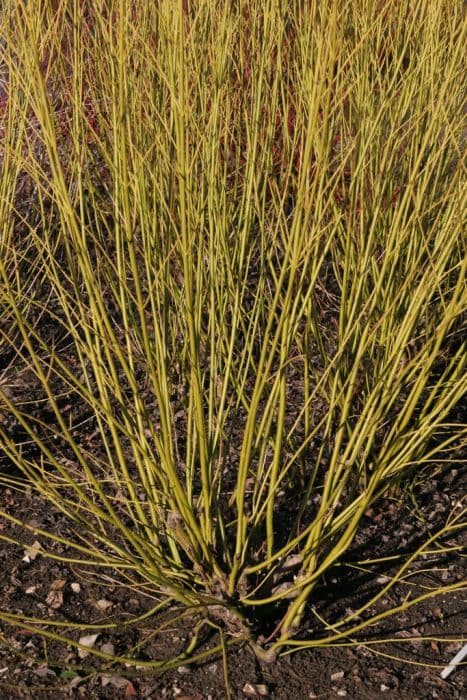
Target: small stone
[[384, 688], [183, 669], [339, 675], [342, 692], [75, 587]]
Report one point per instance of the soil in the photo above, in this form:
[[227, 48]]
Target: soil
[[406, 667]]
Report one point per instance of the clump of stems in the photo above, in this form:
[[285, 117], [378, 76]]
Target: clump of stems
[[240, 269]]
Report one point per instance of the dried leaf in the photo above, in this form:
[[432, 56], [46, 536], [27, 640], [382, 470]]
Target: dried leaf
[[255, 690], [291, 562], [108, 648], [249, 689], [115, 681], [283, 587], [75, 682], [86, 641], [54, 599], [44, 671], [30, 553], [58, 584], [130, 691]]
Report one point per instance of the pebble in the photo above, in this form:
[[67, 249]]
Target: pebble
[[337, 676]]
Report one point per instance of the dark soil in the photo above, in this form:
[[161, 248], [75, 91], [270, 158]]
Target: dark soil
[[403, 668]]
